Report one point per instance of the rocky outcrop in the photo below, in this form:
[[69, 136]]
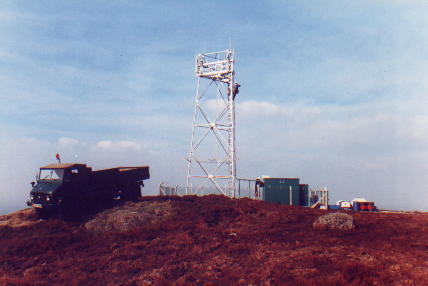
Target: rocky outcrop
[[339, 221]]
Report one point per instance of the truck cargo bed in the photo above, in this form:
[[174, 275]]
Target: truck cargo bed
[[121, 174]]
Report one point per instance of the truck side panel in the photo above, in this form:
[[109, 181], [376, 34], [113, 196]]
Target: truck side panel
[[120, 175], [134, 174]]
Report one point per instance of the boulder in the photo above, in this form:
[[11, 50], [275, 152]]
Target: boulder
[[339, 221]]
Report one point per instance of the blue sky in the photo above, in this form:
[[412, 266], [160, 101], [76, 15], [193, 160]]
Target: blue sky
[[333, 92]]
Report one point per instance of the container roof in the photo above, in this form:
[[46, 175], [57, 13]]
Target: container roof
[[61, 166], [281, 178]]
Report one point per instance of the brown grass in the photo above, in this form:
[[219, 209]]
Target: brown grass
[[214, 240]]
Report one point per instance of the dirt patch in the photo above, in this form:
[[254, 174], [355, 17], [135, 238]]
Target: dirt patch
[[19, 218], [215, 240], [130, 216]]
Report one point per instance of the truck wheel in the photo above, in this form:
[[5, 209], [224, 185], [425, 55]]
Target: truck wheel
[[131, 193]]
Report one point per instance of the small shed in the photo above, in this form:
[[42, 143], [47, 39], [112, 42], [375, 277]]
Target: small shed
[[282, 191]]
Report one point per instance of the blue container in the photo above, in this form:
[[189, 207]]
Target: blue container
[[356, 206], [334, 207], [303, 195]]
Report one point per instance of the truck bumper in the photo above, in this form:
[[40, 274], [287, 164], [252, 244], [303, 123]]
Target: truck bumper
[[41, 205]]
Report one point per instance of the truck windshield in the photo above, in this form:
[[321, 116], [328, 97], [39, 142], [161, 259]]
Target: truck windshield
[[51, 174]]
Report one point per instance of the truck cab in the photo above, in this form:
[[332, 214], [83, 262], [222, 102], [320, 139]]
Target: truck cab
[[56, 181]]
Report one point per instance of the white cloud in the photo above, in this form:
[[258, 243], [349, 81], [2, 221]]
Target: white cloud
[[120, 146], [65, 142], [257, 108], [416, 130]]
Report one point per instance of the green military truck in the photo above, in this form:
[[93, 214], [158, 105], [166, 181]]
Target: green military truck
[[71, 188]]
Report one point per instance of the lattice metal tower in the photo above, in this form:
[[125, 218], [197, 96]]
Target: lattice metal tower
[[212, 155]]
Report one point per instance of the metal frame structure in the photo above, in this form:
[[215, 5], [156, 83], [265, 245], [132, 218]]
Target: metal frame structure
[[321, 194], [212, 165], [248, 186], [167, 190]]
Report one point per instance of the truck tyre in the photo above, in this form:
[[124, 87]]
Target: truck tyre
[[131, 193]]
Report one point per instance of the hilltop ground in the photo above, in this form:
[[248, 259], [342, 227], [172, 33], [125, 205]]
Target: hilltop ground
[[212, 240]]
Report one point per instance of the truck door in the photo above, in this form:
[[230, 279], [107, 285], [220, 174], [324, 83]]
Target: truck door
[[73, 181], [81, 183]]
